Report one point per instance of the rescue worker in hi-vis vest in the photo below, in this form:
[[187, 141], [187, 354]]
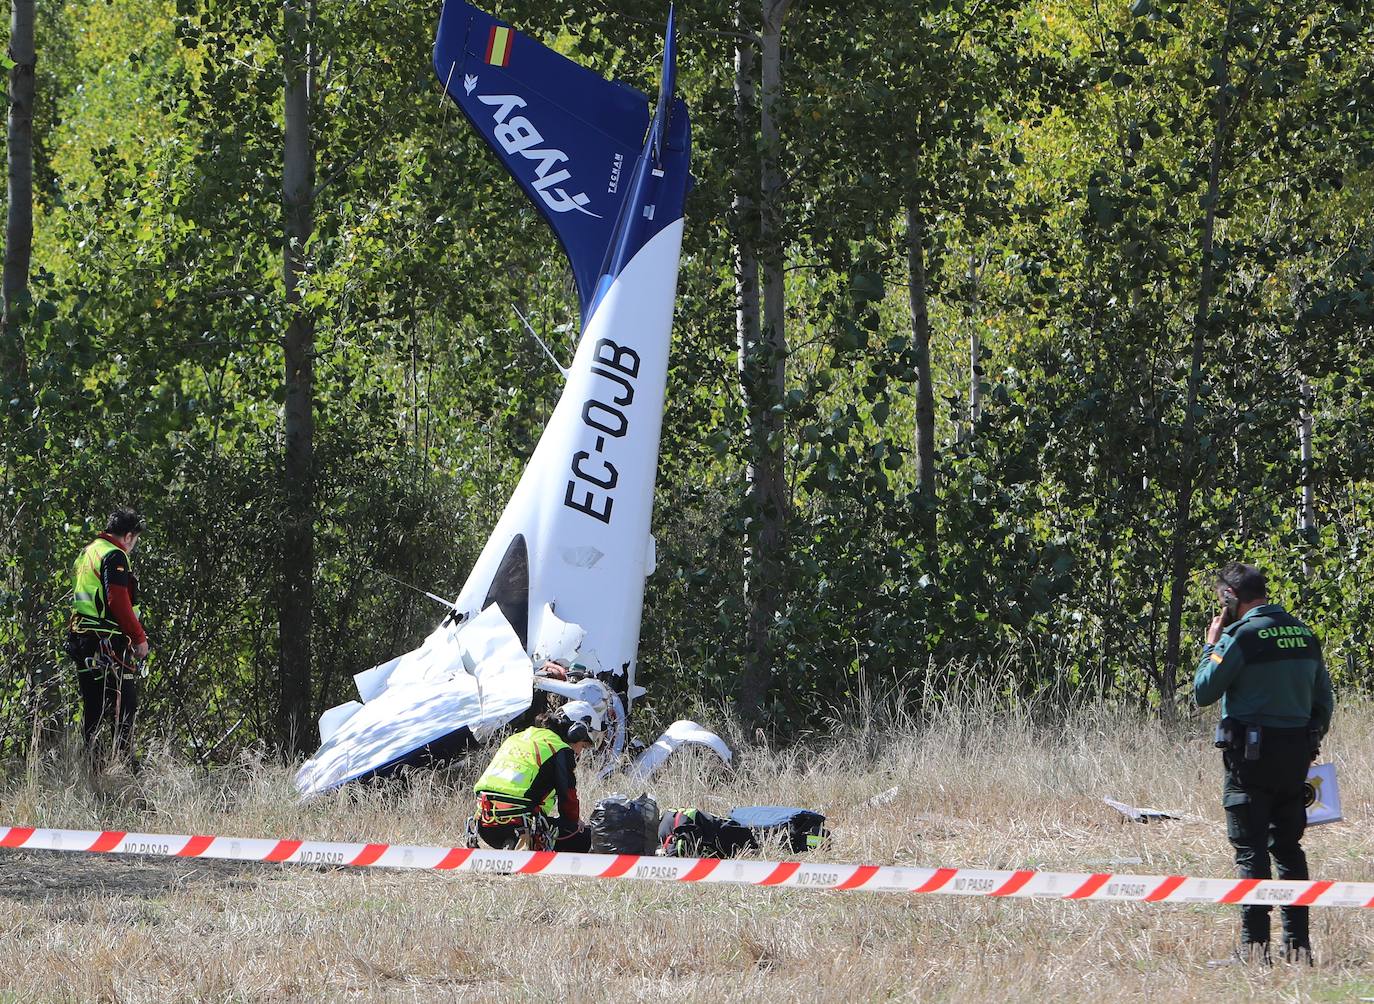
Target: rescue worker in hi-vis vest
[[106, 640], [1266, 668], [532, 774]]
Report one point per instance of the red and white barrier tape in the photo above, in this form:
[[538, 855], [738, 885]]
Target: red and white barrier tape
[[790, 874]]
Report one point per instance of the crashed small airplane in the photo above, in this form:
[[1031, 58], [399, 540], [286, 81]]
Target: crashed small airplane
[[562, 576]]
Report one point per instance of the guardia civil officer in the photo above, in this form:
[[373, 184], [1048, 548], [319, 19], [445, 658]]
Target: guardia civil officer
[[106, 639], [534, 773], [1266, 668]]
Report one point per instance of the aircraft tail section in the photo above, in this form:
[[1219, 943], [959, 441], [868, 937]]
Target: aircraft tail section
[[562, 575], [569, 137]]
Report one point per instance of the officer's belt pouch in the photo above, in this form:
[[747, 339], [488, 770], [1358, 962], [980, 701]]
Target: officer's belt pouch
[[1243, 737], [1228, 730], [1234, 799]]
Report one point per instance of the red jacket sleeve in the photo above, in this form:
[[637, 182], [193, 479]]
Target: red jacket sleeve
[[565, 787], [123, 609], [569, 808]]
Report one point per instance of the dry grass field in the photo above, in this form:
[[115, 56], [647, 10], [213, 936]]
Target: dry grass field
[[974, 789]]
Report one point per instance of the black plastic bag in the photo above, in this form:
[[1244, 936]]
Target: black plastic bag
[[621, 825]]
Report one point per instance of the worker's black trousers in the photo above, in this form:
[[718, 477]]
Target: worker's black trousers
[[504, 838], [108, 694], [1266, 813]]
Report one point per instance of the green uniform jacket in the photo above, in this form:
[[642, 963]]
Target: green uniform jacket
[[1267, 669]]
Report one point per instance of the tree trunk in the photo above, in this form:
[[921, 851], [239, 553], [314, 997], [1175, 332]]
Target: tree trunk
[[1307, 509], [298, 544], [975, 378], [19, 222], [925, 388], [46, 699], [753, 685], [1180, 563], [763, 363], [975, 356]]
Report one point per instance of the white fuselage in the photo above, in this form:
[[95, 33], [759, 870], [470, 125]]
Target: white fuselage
[[585, 500]]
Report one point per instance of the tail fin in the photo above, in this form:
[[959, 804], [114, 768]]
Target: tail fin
[[569, 137]]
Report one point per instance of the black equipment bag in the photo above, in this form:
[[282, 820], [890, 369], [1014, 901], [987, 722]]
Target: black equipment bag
[[695, 833], [621, 825], [802, 829]]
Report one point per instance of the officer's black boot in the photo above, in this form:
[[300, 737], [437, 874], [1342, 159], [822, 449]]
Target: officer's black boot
[[1297, 945], [1297, 955], [1254, 926], [1297, 948]]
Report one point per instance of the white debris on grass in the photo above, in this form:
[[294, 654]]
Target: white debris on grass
[[680, 733]]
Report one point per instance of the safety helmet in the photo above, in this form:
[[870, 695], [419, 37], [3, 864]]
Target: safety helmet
[[585, 723]]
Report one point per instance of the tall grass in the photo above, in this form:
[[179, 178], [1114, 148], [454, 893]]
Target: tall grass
[[977, 783]]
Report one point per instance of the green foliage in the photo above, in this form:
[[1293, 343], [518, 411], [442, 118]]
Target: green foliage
[[1059, 157]]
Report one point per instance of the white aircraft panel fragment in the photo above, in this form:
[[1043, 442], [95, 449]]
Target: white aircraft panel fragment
[[679, 734], [437, 657], [371, 682], [556, 639], [332, 719], [503, 673]]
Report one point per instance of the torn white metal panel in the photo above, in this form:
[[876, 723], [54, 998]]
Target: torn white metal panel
[[371, 682], [679, 734], [490, 648], [435, 655], [555, 639], [332, 719], [499, 665], [440, 657]]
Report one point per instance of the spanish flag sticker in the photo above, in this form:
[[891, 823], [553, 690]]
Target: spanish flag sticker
[[1216, 657], [498, 45]]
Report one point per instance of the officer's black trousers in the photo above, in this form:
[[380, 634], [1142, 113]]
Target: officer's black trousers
[[1266, 813]]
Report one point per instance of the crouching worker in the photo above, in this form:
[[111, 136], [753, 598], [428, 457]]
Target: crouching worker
[[532, 774]]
